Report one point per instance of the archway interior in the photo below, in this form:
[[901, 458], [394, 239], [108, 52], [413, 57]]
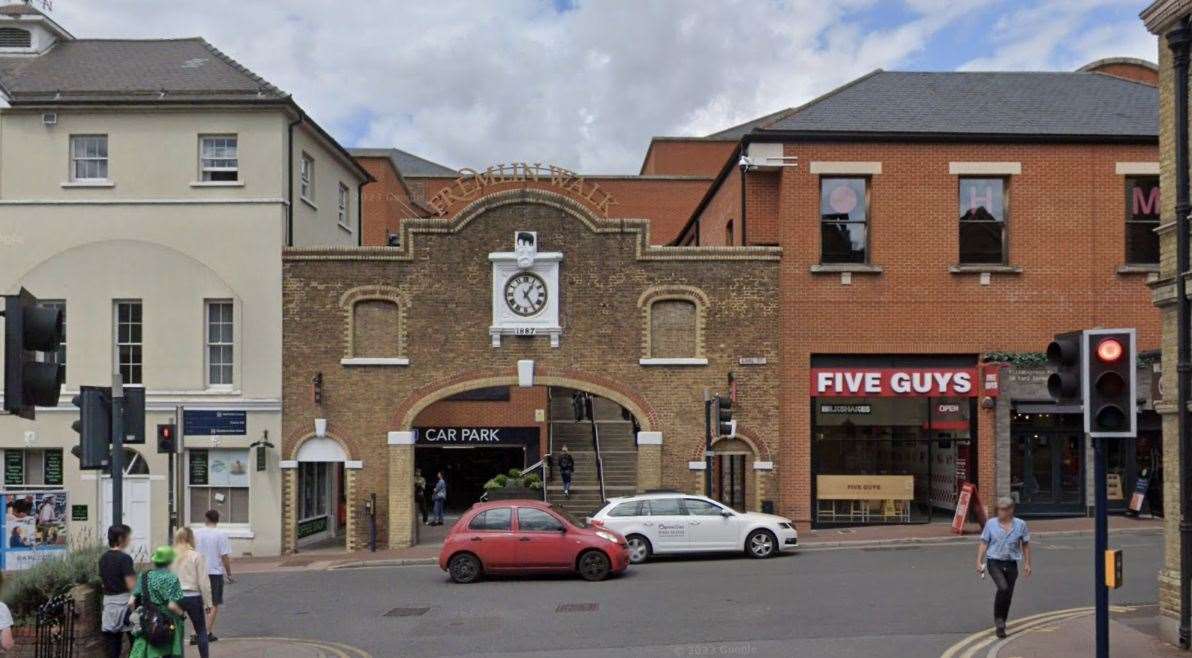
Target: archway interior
[[473, 436]]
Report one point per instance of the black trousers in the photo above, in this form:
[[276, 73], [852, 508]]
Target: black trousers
[[423, 506], [193, 605], [114, 644], [1003, 573]]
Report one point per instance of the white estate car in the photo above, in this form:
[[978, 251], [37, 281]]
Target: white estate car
[[679, 523]]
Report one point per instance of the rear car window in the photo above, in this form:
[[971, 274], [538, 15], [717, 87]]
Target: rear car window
[[625, 509], [494, 519], [665, 507], [530, 519]]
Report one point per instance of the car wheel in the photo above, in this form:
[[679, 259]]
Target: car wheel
[[464, 568], [594, 566], [639, 549], [760, 544]]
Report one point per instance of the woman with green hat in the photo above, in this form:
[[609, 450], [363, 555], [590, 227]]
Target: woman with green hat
[[164, 591]]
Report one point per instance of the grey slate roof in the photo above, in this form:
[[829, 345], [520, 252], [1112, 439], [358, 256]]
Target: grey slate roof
[[408, 164], [1027, 103], [141, 70], [740, 130]]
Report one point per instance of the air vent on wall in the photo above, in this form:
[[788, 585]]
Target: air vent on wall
[[49, 118]]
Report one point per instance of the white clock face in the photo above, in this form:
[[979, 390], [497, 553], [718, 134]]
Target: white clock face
[[525, 294]]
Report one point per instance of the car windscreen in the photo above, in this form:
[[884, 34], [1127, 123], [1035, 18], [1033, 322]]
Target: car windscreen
[[579, 523]]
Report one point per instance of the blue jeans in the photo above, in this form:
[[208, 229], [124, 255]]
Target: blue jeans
[[439, 510], [566, 481]]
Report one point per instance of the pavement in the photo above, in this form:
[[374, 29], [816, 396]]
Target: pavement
[[427, 551], [897, 599]]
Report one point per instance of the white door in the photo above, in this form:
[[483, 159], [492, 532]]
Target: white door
[[136, 514]]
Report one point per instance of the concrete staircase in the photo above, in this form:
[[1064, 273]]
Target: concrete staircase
[[618, 448]]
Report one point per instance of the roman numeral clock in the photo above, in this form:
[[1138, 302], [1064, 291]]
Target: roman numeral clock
[[525, 291]]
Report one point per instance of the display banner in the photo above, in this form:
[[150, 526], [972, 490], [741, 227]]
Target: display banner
[[865, 487], [475, 435], [34, 528], [894, 382]]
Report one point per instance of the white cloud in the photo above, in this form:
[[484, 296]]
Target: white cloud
[[470, 83]]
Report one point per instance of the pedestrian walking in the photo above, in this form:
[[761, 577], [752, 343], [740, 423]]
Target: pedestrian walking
[[1005, 542], [160, 587], [420, 495], [566, 468], [118, 577], [440, 499], [212, 543], [191, 568]]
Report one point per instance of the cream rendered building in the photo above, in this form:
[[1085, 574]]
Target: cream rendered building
[[150, 186]]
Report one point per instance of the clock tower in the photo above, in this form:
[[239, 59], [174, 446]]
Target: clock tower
[[525, 291]]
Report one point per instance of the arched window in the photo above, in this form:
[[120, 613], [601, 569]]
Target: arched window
[[673, 329], [15, 37], [376, 328]]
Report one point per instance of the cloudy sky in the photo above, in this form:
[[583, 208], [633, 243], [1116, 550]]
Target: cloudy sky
[[586, 83]]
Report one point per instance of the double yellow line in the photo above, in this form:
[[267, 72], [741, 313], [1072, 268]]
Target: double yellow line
[[971, 645]]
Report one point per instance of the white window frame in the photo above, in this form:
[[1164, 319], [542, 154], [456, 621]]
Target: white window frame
[[207, 170], [208, 344], [76, 159], [344, 205], [238, 529], [117, 343], [306, 178]]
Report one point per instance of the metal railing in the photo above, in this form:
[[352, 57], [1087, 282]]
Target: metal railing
[[596, 447], [54, 634], [539, 465]]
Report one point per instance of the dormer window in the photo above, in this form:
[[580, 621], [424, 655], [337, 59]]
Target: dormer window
[[15, 37]]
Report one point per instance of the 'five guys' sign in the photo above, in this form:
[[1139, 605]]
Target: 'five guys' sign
[[894, 382]]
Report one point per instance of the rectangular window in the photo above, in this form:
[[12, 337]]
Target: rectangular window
[[844, 220], [344, 215], [128, 341], [59, 355], [218, 159], [217, 479], [89, 157], [32, 468], [219, 343], [306, 173], [314, 479], [983, 221], [1142, 218]]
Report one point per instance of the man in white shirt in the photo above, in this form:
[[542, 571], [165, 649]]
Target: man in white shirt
[[213, 544]]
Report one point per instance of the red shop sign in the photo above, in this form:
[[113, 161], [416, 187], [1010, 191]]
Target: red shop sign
[[894, 382]]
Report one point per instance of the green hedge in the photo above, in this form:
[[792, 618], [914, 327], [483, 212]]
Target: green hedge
[[26, 591]]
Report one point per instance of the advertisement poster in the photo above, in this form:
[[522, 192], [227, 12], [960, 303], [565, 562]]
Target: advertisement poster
[[227, 468], [34, 527]]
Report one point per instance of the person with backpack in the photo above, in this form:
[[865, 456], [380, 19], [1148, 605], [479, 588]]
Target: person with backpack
[[566, 468], [159, 618]]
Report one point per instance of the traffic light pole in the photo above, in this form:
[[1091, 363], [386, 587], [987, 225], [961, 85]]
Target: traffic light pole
[[1101, 544], [117, 449], [707, 443]]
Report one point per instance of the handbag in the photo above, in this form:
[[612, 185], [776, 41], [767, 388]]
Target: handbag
[[153, 623]]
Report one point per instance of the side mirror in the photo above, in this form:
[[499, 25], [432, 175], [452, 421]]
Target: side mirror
[[725, 513]]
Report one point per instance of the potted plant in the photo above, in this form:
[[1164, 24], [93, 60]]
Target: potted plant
[[514, 484]]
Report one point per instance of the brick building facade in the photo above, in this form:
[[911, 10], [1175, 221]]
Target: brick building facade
[[389, 332]]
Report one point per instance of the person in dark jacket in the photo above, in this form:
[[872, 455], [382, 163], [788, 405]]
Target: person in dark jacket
[[440, 499], [566, 468], [420, 495]]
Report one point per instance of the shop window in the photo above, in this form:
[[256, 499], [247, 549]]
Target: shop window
[[844, 220], [32, 468], [1142, 218], [218, 479], [983, 221], [375, 328], [672, 329]]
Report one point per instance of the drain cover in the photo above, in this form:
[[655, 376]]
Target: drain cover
[[406, 612], [578, 607]]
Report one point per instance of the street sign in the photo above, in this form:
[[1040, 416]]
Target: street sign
[[209, 422]]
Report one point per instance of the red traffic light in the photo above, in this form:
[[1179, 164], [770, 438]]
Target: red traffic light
[[1109, 350]]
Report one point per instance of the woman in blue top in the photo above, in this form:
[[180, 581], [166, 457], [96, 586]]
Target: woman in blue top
[[1005, 542]]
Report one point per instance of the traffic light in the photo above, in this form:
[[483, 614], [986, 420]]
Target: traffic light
[[30, 328], [165, 439], [726, 427], [1063, 354], [1109, 382], [134, 414], [94, 427]]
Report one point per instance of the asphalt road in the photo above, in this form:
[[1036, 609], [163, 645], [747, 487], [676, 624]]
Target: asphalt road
[[897, 601]]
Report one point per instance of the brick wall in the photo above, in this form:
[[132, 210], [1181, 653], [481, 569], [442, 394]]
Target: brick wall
[[669, 156], [386, 202], [443, 275], [1134, 72]]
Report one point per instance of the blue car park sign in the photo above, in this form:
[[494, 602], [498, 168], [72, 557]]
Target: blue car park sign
[[206, 422]]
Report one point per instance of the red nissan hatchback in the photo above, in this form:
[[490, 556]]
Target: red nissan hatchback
[[528, 536]]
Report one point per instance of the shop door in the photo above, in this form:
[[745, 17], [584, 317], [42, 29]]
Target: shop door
[[1049, 471], [728, 480]]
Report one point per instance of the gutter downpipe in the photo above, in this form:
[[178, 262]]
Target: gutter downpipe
[[290, 177], [1178, 41], [744, 169], [360, 214]]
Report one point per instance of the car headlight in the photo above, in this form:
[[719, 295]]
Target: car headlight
[[608, 535]]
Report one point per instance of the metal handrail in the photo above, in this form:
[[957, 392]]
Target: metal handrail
[[596, 445], [538, 465]]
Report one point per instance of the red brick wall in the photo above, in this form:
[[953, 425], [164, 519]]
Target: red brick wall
[[517, 412], [386, 202], [724, 207], [686, 157], [1066, 232], [1130, 72]]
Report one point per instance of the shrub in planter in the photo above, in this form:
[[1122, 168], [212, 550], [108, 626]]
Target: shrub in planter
[[26, 591], [514, 484]]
